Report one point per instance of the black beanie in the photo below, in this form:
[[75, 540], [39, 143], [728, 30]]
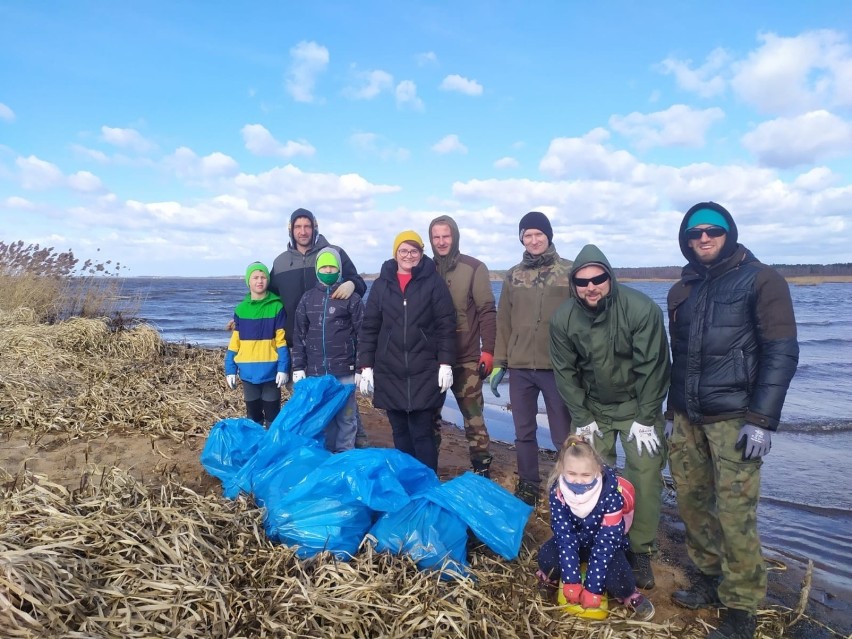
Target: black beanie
[[537, 221]]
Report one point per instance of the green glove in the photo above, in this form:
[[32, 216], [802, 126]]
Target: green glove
[[495, 379]]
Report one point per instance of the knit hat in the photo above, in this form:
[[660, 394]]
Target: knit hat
[[327, 258], [707, 216], [256, 266], [537, 221], [406, 236]]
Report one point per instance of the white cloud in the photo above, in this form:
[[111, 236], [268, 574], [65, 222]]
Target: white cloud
[[129, 139], [261, 142], [91, 154], [461, 85], [187, 164], [706, 80], [15, 202], [406, 96], [427, 58], [38, 175], [804, 139], [587, 156], [802, 73], [817, 179], [449, 144], [85, 182], [506, 163], [377, 145], [308, 60], [6, 113], [370, 84], [679, 125]]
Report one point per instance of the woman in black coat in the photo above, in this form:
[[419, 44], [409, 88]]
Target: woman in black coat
[[407, 346]]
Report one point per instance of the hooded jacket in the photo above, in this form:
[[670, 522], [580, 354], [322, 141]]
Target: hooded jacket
[[406, 336], [470, 287], [325, 337], [611, 362], [733, 335], [294, 273], [257, 349], [531, 293]]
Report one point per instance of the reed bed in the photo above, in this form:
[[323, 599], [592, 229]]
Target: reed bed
[[82, 378], [114, 557]]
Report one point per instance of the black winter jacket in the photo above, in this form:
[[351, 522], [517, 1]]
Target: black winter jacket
[[325, 339], [733, 336], [293, 273], [404, 337]]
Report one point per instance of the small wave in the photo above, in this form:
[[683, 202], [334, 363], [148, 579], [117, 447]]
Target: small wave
[[828, 426], [831, 341], [834, 513]]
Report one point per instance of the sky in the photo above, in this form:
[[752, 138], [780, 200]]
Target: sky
[[175, 138]]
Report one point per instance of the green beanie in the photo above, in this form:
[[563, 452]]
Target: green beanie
[[327, 258], [707, 216], [256, 266]]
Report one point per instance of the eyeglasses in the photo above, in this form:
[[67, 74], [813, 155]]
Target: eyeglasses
[[696, 233], [597, 280], [408, 252]]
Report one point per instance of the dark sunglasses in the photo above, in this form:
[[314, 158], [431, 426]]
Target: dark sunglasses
[[696, 233], [597, 280]]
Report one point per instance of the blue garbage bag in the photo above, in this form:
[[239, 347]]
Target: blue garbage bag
[[229, 445], [278, 478], [433, 537], [494, 514]]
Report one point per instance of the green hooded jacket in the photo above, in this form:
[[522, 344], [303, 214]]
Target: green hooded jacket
[[611, 362]]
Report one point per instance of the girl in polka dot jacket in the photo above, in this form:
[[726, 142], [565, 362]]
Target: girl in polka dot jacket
[[588, 523]]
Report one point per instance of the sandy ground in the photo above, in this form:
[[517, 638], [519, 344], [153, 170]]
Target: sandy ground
[[64, 461]]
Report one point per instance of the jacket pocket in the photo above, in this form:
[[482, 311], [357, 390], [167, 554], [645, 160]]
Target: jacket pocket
[[729, 309]]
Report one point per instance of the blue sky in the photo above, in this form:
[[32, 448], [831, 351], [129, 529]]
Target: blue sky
[[177, 137]]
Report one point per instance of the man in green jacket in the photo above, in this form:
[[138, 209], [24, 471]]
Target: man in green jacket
[[611, 359], [532, 291], [476, 328]]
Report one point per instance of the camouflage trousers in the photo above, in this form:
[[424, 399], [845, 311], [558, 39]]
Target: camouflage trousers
[[467, 389], [717, 494], [645, 472]]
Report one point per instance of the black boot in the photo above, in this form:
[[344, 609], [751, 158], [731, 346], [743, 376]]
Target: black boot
[[642, 572], [527, 492], [482, 466], [703, 593], [736, 624]]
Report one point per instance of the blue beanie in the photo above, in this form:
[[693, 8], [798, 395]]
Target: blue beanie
[[707, 216]]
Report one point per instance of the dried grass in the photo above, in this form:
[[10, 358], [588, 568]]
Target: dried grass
[[114, 558]]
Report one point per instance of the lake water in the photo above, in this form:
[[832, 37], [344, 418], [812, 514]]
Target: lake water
[[806, 501]]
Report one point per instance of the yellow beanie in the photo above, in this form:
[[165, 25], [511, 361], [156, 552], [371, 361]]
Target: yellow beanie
[[406, 236]]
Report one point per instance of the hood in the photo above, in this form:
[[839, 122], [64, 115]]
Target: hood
[[731, 239], [328, 250], [445, 263], [295, 215], [591, 255]]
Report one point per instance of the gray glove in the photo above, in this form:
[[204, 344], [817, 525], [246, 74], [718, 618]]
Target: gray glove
[[668, 429], [754, 441]]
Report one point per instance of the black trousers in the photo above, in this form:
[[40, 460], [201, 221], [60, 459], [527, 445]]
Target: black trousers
[[413, 434]]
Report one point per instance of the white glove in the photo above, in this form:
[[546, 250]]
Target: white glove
[[281, 379], [366, 383], [231, 380], [669, 429], [445, 377], [644, 436], [587, 432], [344, 291], [298, 376], [357, 380]]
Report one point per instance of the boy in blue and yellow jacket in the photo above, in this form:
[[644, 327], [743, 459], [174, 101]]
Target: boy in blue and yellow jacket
[[258, 348]]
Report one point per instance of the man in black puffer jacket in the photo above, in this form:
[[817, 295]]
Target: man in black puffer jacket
[[734, 352]]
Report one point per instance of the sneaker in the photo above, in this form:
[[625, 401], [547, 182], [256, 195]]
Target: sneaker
[[736, 624], [642, 572], [704, 593], [527, 492], [641, 606], [482, 466]]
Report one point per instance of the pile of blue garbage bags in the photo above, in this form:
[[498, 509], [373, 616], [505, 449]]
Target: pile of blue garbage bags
[[317, 501]]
